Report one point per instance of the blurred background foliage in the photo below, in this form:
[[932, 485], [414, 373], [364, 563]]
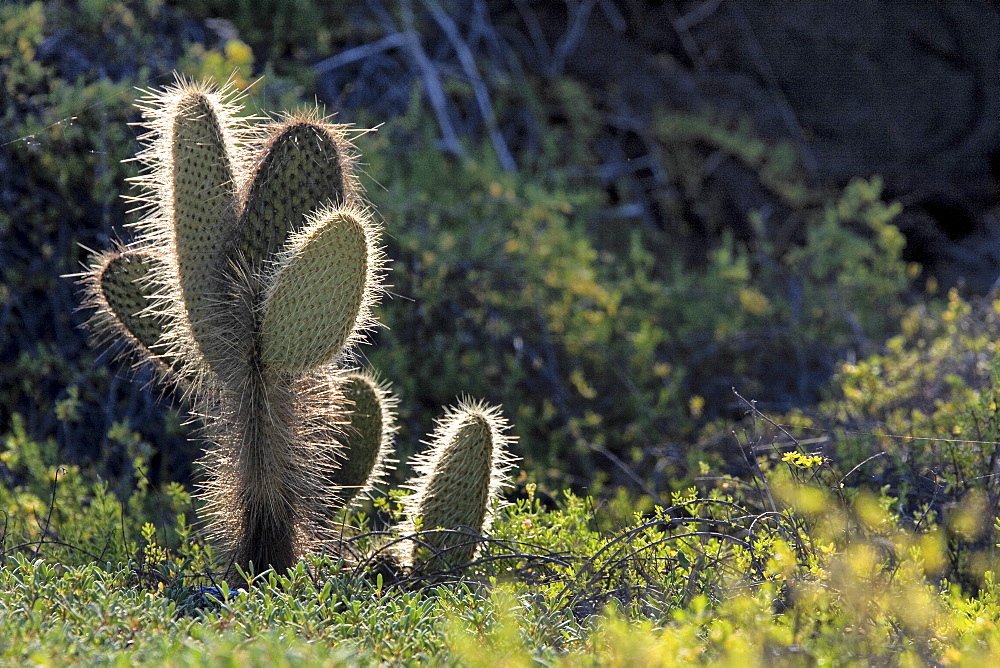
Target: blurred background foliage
[[607, 258]]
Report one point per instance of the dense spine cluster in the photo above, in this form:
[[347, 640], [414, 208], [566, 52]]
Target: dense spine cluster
[[251, 278]]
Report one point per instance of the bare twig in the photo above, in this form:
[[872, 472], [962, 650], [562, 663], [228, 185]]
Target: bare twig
[[48, 515], [753, 408], [632, 475], [468, 63], [393, 41], [697, 15], [613, 15], [849, 473], [758, 474], [432, 83], [687, 39], [534, 31], [571, 38]]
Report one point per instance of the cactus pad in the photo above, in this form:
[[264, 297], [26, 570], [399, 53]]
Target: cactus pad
[[122, 278], [458, 480], [367, 437], [321, 293], [203, 208], [303, 165]]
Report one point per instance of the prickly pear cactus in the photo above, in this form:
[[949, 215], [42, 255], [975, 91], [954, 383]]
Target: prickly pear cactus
[[250, 279], [253, 272], [456, 487]]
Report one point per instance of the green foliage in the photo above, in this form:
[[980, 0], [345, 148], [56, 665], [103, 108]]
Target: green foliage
[[923, 417], [777, 166], [600, 333], [279, 28], [812, 278], [706, 581], [498, 269], [64, 515], [62, 147], [826, 574]]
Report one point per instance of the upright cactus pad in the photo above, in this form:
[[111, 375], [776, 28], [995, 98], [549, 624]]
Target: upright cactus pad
[[304, 162], [194, 160], [202, 198], [458, 481], [367, 436]]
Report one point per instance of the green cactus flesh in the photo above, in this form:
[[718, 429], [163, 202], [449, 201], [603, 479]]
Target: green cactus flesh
[[365, 438], [300, 170], [317, 294], [122, 278], [459, 478], [203, 210]]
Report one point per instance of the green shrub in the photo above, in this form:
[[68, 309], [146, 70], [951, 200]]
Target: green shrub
[[607, 343], [923, 413], [706, 581], [62, 514], [616, 342], [64, 142]]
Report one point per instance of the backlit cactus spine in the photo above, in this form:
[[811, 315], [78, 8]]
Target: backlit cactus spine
[[251, 277]]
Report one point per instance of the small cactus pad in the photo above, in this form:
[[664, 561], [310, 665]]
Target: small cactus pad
[[459, 480], [367, 437], [321, 292], [122, 280], [302, 167]]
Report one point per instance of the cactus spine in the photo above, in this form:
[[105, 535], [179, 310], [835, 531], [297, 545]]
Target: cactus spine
[[251, 278]]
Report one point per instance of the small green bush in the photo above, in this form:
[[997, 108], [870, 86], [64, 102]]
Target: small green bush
[[68, 517], [607, 342]]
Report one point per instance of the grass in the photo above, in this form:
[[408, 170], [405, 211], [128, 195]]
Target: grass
[[819, 578], [833, 548]]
